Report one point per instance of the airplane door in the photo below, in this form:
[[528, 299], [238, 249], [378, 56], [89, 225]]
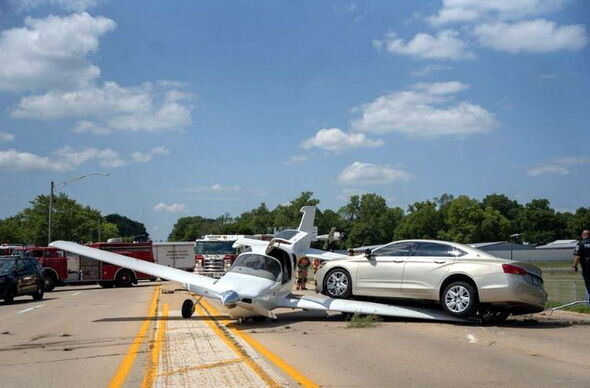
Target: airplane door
[[382, 273]]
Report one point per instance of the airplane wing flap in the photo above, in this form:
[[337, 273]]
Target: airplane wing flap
[[199, 284], [355, 306]]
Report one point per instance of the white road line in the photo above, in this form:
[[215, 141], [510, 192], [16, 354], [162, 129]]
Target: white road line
[[76, 293], [31, 309]]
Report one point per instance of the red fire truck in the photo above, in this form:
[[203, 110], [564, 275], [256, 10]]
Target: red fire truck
[[60, 268]]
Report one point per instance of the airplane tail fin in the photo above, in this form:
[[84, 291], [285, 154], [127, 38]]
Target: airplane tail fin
[[306, 224]]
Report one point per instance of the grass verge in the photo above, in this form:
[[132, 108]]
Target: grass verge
[[360, 321], [584, 309]]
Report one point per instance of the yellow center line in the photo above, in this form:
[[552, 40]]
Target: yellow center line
[[276, 360], [226, 338], [127, 362], [159, 338]]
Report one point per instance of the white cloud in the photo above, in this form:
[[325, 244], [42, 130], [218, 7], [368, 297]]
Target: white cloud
[[334, 139], [150, 107], [426, 112], [429, 69], [171, 208], [297, 159], [144, 157], [445, 44], [561, 166], [106, 157], [537, 36], [359, 173], [6, 137], [69, 5], [215, 188], [454, 11], [440, 87], [13, 160], [68, 158], [51, 52]]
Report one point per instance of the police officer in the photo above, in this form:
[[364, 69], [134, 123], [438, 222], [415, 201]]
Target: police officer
[[582, 256]]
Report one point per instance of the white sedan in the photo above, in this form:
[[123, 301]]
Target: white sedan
[[464, 280]]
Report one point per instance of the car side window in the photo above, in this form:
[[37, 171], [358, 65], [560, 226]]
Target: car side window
[[30, 266], [439, 250], [398, 249]]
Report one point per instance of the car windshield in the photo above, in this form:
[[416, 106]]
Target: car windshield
[[6, 264], [258, 265], [215, 248]]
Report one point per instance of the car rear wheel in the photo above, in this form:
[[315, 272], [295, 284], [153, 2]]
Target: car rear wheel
[[124, 278], [10, 294], [38, 295], [459, 299], [338, 284]]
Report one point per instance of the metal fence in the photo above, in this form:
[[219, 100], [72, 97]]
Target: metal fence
[[565, 291]]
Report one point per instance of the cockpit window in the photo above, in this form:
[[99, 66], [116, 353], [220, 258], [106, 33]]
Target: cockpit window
[[257, 265], [286, 234]]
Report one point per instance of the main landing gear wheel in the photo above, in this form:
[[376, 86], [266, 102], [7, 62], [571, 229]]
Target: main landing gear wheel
[[188, 308]]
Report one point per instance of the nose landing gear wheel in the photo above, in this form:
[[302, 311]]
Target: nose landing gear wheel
[[188, 308]]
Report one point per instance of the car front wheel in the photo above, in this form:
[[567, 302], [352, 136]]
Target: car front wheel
[[338, 284], [459, 299], [38, 295]]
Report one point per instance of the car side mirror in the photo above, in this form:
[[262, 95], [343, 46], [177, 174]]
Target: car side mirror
[[368, 254]]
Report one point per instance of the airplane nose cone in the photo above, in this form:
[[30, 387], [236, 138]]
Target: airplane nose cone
[[230, 298]]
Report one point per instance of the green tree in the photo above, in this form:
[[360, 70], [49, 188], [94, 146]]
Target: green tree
[[539, 223], [288, 216], [191, 228], [578, 221], [463, 219], [126, 226], [422, 221], [70, 221]]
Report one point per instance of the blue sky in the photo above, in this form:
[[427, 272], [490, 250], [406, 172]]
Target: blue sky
[[206, 107]]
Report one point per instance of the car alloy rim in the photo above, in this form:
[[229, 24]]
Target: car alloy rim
[[337, 283], [457, 299]]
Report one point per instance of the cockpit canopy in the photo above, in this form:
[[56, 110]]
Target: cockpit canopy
[[258, 265]]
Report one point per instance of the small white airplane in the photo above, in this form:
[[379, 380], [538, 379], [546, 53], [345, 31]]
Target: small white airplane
[[261, 279]]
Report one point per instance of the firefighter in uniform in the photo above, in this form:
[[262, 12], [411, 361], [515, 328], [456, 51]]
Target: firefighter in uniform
[[302, 267], [582, 257]]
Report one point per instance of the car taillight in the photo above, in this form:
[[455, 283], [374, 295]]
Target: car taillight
[[199, 260], [513, 270]]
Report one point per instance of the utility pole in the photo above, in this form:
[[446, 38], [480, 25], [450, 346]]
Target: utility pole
[[50, 212], [62, 184], [99, 230]]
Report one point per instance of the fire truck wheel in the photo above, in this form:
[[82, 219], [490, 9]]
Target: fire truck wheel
[[124, 278], [188, 308], [50, 281], [38, 295], [106, 284]]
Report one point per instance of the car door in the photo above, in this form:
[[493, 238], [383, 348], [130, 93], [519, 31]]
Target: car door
[[23, 277], [382, 273], [426, 268]]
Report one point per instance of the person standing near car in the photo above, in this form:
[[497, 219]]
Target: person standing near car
[[582, 257]]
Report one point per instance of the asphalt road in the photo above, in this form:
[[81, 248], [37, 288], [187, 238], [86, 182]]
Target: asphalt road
[[77, 336], [134, 337]]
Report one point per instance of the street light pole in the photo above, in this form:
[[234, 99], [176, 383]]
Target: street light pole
[[512, 237], [52, 189], [50, 212]]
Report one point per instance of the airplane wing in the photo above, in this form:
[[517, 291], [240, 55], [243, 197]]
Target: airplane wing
[[308, 302], [322, 255], [257, 246], [198, 284]]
